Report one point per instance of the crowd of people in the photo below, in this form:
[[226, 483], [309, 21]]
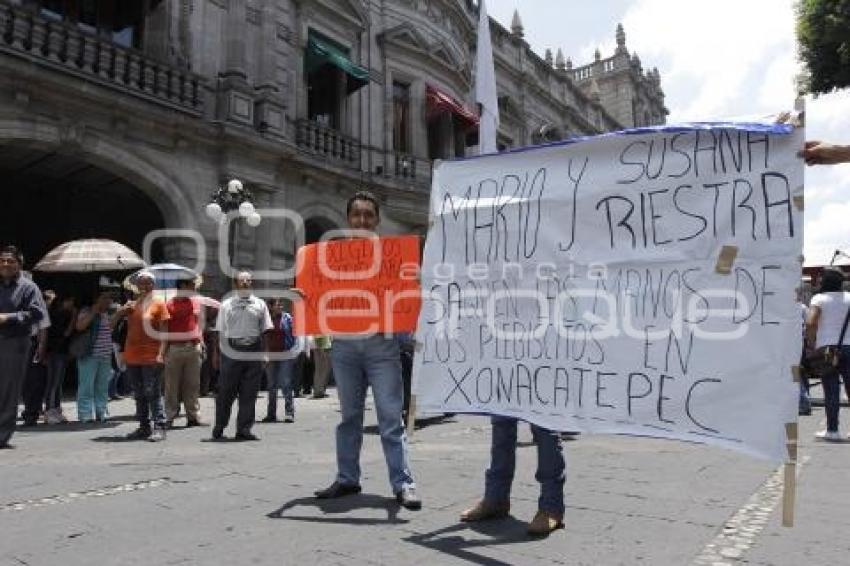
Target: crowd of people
[[103, 351], [169, 357]]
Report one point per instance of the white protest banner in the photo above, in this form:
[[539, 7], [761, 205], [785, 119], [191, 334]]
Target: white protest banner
[[638, 283]]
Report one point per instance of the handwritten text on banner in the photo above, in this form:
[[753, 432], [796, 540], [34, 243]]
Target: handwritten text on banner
[[575, 286]]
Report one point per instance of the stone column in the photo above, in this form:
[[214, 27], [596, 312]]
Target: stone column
[[236, 97], [270, 105]]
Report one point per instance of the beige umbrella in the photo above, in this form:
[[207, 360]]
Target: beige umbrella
[[89, 255]]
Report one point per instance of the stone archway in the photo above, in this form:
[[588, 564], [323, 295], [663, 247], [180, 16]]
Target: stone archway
[[64, 182], [110, 155], [319, 218], [315, 227]]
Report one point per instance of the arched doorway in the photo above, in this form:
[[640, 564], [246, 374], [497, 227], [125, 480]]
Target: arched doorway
[[51, 196], [315, 227]]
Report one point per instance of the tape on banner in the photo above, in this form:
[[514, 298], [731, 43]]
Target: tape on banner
[[791, 435], [795, 373], [798, 202], [791, 430], [726, 259]]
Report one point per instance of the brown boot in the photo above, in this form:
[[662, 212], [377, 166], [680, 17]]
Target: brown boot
[[544, 523], [485, 510]]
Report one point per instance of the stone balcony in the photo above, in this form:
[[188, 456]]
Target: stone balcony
[[411, 170], [328, 143], [64, 48]]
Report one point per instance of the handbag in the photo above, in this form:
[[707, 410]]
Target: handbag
[[83, 341], [826, 359], [80, 344]]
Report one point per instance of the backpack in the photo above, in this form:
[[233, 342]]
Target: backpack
[[286, 328]]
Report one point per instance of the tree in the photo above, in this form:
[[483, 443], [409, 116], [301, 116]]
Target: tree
[[823, 31]]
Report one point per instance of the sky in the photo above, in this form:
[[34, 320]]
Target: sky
[[719, 59]]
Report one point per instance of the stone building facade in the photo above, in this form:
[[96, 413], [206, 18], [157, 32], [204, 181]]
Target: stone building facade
[[118, 117]]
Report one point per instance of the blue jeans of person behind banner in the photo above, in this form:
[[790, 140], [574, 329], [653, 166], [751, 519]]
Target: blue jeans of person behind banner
[[93, 387], [551, 466], [281, 375], [832, 389], [147, 387], [805, 404], [357, 364]]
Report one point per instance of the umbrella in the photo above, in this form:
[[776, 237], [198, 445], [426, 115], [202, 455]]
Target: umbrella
[[166, 275], [89, 255]]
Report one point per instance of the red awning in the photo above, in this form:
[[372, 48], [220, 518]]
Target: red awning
[[439, 101]]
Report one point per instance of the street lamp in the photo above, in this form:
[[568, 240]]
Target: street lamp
[[233, 196]]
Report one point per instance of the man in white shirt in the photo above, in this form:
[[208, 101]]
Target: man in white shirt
[[243, 324]]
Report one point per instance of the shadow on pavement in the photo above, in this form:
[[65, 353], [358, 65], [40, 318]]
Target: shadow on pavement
[[450, 540], [66, 427], [115, 439], [330, 507]]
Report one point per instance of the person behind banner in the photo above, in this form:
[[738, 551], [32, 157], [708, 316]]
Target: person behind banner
[[359, 362], [243, 325], [551, 474], [827, 328]]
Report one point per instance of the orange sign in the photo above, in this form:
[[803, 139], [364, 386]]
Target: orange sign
[[358, 286]]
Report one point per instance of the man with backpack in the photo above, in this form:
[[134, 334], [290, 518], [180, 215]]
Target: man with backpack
[[280, 371]]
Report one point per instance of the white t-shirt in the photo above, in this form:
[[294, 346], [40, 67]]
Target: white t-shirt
[[833, 308]]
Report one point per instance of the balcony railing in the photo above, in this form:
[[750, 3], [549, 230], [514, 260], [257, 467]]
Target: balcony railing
[[62, 46], [327, 142], [405, 166]]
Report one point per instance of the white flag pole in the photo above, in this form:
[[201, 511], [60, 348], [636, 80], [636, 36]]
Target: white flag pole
[[485, 85]]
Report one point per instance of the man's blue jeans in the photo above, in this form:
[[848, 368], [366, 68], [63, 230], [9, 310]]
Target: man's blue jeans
[[357, 364], [551, 467], [147, 385], [280, 374]]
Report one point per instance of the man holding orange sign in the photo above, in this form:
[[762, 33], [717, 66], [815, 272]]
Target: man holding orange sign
[[354, 289]]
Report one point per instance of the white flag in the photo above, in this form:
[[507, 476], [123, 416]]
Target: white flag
[[485, 86]]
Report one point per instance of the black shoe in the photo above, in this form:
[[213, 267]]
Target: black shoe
[[141, 433], [6, 446], [337, 489], [246, 437], [29, 422], [217, 434], [269, 419], [408, 499], [194, 422]]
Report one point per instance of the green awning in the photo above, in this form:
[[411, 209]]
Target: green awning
[[322, 52]]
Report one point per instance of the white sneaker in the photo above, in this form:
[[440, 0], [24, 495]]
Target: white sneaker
[[828, 435]]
